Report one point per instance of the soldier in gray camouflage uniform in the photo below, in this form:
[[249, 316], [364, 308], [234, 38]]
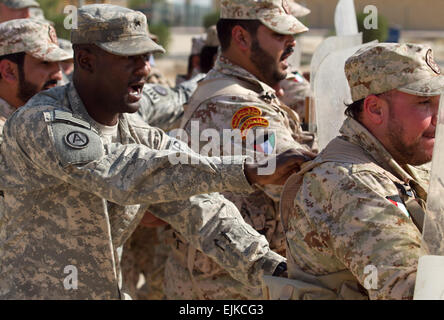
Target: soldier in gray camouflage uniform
[[16, 9], [79, 170], [24, 45], [354, 227]]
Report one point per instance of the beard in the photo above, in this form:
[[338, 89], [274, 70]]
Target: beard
[[27, 89], [412, 154], [266, 64]]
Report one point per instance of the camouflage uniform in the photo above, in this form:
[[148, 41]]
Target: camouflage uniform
[[241, 92], [69, 200], [359, 208], [33, 37], [20, 4], [296, 91]]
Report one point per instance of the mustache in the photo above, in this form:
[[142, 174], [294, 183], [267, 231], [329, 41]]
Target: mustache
[[288, 51]]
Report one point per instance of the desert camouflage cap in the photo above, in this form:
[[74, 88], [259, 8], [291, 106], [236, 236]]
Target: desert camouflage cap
[[274, 14], [115, 29], [20, 4], [212, 40], [382, 67], [298, 10], [34, 37]]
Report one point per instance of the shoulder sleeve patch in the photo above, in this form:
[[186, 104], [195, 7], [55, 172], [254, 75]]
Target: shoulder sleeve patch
[[243, 113], [75, 143], [251, 123]]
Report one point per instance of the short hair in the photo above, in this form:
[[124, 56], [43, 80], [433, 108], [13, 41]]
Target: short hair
[[354, 109], [17, 58], [207, 58], [225, 27]]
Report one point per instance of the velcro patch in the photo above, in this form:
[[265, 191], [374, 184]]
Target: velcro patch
[[243, 113], [74, 143]]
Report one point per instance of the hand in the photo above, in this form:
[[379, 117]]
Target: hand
[[150, 221], [287, 163]]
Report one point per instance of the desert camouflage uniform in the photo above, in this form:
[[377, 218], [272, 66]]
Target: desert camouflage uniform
[[296, 91], [344, 219], [5, 111], [258, 209], [70, 200], [358, 210]]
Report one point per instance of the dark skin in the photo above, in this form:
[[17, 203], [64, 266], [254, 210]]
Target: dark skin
[[108, 86]]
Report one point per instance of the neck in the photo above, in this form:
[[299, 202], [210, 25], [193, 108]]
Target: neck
[[93, 103], [240, 58], [10, 96]]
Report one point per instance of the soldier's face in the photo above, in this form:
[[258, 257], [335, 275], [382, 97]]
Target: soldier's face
[[120, 81], [7, 13], [269, 53], [35, 76], [411, 127]]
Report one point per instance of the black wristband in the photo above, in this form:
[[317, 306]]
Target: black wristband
[[280, 269]]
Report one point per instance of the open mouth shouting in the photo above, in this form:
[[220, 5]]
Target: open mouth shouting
[[135, 91]]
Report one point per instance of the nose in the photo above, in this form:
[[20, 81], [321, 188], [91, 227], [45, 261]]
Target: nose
[[291, 41], [435, 113], [143, 67], [56, 72]]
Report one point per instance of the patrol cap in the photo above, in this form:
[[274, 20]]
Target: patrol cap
[[274, 14], [212, 40], [20, 4], [34, 37], [298, 10], [117, 30], [382, 67]]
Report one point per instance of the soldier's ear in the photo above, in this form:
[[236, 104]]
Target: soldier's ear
[[85, 59], [8, 71], [375, 109], [241, 38]]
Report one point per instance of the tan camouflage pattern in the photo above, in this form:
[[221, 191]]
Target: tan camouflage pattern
[[382, 67], [34, 37], [343, 221], [296, 90], [274, 14], [78, 208], [143, 263], [5, 112], [258, 209], [115, 29], [20, 4]]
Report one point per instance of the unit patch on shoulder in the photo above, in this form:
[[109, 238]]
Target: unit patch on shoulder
[[251, 123], [161, 90], [243, 113], [77, 140]]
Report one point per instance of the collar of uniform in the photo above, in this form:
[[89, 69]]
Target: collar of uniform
[[5, 109], [79, 110], [226, 67], [356, 133]]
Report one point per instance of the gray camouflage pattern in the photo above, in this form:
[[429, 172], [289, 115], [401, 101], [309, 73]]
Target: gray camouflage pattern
[[5, 112], [117, 30], [382, 67], [67, 206], [343, 221]]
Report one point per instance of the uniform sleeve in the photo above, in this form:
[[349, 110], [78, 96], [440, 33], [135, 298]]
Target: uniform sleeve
[[162, 106], [367, 233], [214, 225], [124, 174]]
